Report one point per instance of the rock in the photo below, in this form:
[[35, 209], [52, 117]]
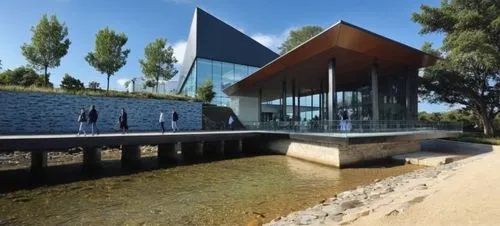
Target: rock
[[350, 204], [256, 222]]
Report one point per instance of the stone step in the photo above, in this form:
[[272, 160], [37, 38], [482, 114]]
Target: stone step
[[425, 158]]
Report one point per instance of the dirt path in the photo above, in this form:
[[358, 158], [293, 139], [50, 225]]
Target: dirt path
[[468, 197]]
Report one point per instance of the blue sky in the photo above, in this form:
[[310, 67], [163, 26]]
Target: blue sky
[[145, 20]]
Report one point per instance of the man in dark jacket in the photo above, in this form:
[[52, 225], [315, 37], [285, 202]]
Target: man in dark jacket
[[175, 117], [93, 119], [123, 121]]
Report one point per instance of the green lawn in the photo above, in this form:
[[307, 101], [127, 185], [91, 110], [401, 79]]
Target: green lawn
[[88, 92]]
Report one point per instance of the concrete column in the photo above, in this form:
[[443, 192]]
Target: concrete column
[[213, 149], [408, 90], [298, 103], [169, 153], [91, 158], [321, 100], [312, 106], [38, 161], [332, 90], [374, 75], [283, 101], [294, 113], [232, 147], [260, 105], [192, 151], [131, 156]]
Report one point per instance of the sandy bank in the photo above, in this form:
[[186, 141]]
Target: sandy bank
[[459, 193]]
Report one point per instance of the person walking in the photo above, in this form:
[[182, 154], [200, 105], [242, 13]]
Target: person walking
[[93, 120], [123, 120], [175, 117], [230, 122], [162, 122], [82, 119]]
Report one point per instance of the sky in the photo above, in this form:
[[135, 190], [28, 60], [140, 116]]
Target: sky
[[143, 21]]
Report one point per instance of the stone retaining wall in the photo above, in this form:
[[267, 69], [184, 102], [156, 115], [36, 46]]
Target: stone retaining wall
[[341, 155], [47, 113]]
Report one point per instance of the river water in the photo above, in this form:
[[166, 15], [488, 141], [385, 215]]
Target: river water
[[227, 192]]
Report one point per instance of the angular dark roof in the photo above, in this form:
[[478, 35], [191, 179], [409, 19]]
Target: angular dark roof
[[213, 39]]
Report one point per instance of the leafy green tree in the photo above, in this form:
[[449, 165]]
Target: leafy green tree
[[299, 36], [22, 76], [0, 64], [48, 45], [108, 56], [468, 72], [150, 83], [158, 62], [70, 83], [206, 91], [94, 85]]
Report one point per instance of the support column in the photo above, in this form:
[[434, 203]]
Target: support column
[[260, 105], [408, 90], [38, 161], [374, 75], [283, 101], [131, 156], [169, 153], [213, 149], [298, 103], [312, 106], [294, 114], [192, 151], [91, 158], [332, 89], [232, 147], [321, 100]]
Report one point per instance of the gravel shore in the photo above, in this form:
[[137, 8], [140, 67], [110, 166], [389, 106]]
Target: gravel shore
[[387, 197]]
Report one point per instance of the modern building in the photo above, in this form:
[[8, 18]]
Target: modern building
[[218, 52], [344, 68]]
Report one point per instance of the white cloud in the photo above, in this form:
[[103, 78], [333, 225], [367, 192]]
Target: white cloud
[[179, 50], [272, 41], [122, 81]]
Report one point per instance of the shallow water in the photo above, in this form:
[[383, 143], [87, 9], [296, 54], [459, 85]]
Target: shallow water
[[228, 192]]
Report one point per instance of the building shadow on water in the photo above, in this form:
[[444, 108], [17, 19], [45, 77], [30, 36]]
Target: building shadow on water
[[22, 178]]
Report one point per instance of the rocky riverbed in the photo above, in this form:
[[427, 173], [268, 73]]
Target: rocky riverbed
[[387, 197]]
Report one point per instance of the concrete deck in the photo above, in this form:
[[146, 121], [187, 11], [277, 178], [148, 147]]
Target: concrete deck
[[54, 142]]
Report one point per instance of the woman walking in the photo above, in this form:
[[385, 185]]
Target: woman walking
[[82, 119]]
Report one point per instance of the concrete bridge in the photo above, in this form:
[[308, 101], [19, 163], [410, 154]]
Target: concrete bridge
[[172, 147], [335, 149]]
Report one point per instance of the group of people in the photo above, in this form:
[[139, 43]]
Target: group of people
[[91, 119]]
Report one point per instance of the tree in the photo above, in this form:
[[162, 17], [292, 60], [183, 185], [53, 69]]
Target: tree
[[70, 83], [0, 64], [108, 56], [150, 83], [299, 36], [94, 85], [468, 72], [158, 62], [206, 91], [48, 45], [22, 76]]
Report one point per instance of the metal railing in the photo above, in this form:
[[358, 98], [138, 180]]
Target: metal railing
[[353, 126]]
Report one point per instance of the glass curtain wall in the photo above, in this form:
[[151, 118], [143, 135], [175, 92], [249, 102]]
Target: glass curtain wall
[[222, 74]]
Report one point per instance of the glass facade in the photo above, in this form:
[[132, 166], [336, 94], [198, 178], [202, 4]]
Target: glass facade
[[392, 99], [222, 74]]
